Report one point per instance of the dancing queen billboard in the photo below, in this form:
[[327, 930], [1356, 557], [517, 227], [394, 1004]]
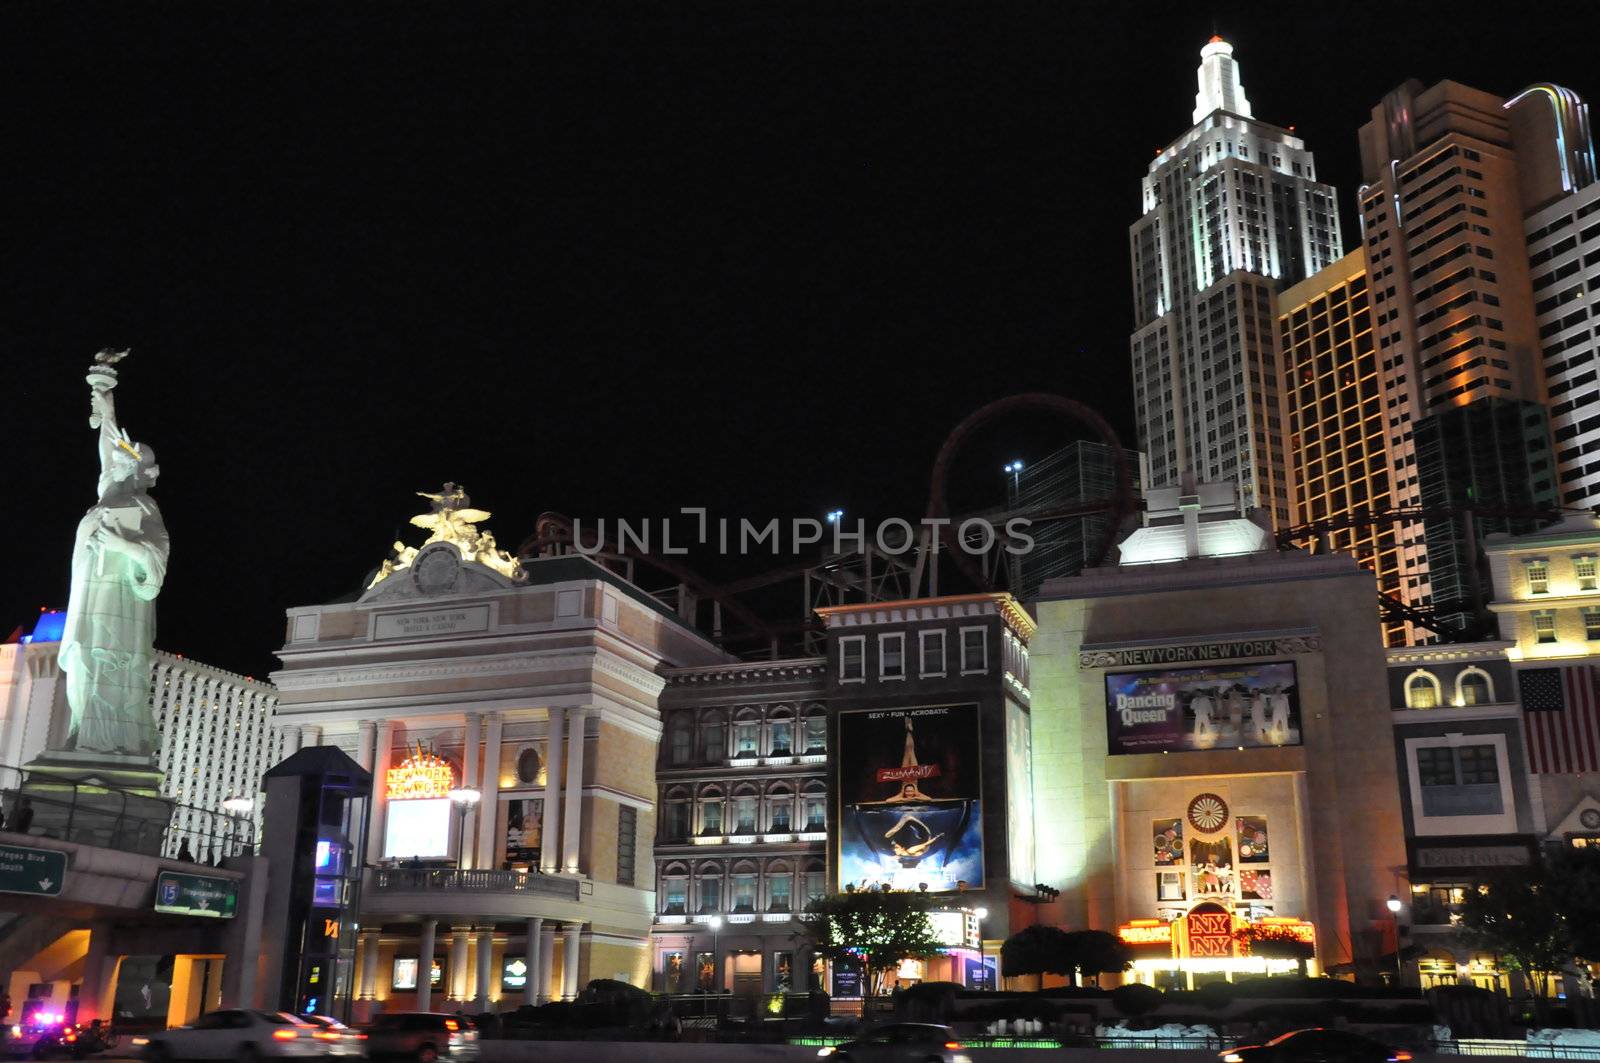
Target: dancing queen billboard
[[1220, 707], [910, 808]]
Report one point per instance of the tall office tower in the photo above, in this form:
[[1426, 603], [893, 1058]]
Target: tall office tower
[[1562, 195], [218, 738], [1449, 173], [1081, 473], [1338, 446], [1232, 212]]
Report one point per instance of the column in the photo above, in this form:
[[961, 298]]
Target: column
[[458, 962], [382, 753], [469, 778], [481, 991], [569, 960], [370, 942], [310, 736], [96, 997], [425, 965], [549, 854], [366, 745], [573, 806], [489, 807], [531, 955], [547, 955]]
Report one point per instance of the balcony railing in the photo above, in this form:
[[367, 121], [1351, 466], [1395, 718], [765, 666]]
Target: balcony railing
[[413, 880]]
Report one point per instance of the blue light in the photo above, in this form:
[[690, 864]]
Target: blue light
[[834, 515], [51, 626]]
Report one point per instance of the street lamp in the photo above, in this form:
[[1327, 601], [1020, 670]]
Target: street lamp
[[715, 923], [463, 797], [1393, 904], [835, 516], [1015, 469], [238, 806], [983, 964]]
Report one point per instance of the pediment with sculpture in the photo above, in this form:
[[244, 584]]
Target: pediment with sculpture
[[458, 557]]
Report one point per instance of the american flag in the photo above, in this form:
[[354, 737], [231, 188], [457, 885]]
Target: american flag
[[1561, 718]]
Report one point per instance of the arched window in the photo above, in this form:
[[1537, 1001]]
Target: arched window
[[746, 810], [780, 886], [780, 731], [780, 808], [742, 887], [708, 885], [815, 739], [747, 733], [711, 811], [674, 889], [1422, 690], [1474, 687]]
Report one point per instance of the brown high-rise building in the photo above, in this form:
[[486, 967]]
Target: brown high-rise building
[[1341, 463]]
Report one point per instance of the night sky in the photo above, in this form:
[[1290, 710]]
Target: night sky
[[602, 259]]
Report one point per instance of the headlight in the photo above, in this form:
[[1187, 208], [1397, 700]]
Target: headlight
[[140, 1041], [823, 1053], [1233, 1057]]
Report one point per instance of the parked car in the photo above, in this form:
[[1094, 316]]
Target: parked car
[[424, 1036], [235, 1034], [901, 1042], [338, 1040], [1317, 1046]]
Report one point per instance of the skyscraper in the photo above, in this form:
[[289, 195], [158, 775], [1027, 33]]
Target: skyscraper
[[1232, 213], [1450, 172]]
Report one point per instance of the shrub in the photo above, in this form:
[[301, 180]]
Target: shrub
[[1136, 999], [1215, 996]]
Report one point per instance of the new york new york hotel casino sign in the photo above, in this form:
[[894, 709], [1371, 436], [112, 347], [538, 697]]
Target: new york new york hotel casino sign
[[1186, 652]]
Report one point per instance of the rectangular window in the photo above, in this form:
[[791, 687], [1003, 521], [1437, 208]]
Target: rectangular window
[[781, 823], [779, 888], [783, 972], [816, 734], [627, 838], [1169, 885], [676, 897], [1544, 627], [853, 659], [816, 818], [1538, 577], [974, 650], [714, 741], [1591, 623], [1436, 766], [711, 895], [931, 648], [892, 656], [1477, 765], [815, 885], [682, 742], [744, 820], [1585, 569], [782, 738], [744, 739], [711, 817], [677, 825], [744, 893], [1460, 781]]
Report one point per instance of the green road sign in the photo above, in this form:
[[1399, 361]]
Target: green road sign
[[181, 894], [41, 872]]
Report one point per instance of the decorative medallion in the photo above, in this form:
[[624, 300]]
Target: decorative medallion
[[1208, 813], [1590, 818]]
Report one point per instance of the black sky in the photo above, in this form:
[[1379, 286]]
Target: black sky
[[602, 259]]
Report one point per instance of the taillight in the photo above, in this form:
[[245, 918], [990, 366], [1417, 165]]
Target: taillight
[[952, 1044], [285, 1035], [452, 1025], [1400, 1055], [325, 1035]]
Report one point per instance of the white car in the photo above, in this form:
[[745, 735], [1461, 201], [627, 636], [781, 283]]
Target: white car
[[237, 1034]]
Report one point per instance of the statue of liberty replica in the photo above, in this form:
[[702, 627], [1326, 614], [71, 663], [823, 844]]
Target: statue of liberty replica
[[104, 765]]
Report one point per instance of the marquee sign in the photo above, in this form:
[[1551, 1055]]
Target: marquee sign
[[421, 776], [1197, 652], [1146, 932], [1210, 933]]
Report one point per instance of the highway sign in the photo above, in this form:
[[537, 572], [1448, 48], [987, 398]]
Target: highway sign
[[41, 872], [181, 894]]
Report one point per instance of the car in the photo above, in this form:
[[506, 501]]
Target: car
[[900, 1042], [234, 1033], [424, 1036], [336, 1038], [1317, 1045]]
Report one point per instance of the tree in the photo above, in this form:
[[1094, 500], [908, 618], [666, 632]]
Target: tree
[[1097, 952], [876, 928], [1513, 914], [1574, 885], [1051, 950], [1276, 943], [1037, 949]]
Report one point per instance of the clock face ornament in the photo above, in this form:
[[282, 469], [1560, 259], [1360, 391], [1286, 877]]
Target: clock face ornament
[[1208, 813], [1590, 818]]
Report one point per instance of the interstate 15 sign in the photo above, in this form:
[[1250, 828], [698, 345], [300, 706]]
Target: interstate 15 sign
[[181, 894], [41, 872]]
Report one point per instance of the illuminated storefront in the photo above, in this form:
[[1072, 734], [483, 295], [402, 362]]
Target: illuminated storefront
[[1212, 942]]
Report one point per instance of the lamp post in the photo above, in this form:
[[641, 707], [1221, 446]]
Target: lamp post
[[239, 806], [1393, 904], [1015, 469], [715, 923], [983, 965], [464, 798]]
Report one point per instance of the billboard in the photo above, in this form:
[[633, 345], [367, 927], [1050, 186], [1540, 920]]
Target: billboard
[[910, 813], [1220, 707]]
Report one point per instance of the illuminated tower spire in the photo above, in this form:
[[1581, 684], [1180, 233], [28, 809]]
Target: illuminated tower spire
[[1220, 87]]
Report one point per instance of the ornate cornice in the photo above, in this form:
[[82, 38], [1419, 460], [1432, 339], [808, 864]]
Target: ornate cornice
[[749, 672]]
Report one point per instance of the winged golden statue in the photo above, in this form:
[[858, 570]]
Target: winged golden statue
[[451, 519]]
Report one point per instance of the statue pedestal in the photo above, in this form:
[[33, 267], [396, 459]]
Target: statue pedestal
[[100, 799]]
